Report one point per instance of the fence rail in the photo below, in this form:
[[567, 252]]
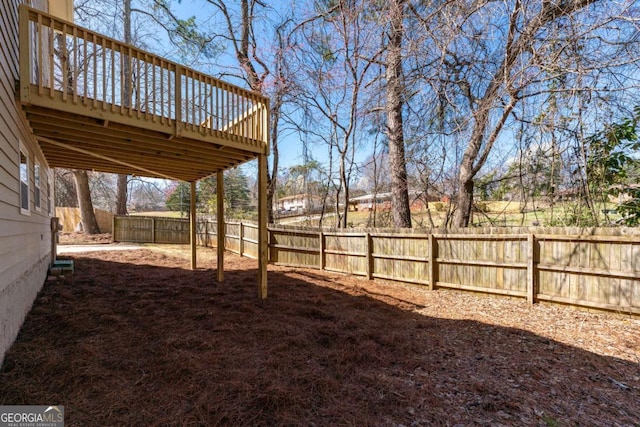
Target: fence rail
[[584, 269]]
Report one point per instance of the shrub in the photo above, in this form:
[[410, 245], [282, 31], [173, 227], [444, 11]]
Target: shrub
[[481, 207]]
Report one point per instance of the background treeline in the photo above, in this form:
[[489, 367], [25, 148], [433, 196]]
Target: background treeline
[[458, 104]]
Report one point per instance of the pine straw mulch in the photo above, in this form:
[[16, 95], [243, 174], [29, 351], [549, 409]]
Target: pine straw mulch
[[138, 339]]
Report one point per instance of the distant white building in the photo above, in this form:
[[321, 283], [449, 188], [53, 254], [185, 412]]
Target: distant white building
[[298, 203], [382, 201]]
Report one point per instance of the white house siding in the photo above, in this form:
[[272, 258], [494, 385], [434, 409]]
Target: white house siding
[[25, 240]]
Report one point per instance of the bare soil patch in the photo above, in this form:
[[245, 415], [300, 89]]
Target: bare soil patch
[[139, 339]]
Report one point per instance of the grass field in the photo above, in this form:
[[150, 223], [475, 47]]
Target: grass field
[[493, 214], [163, 214]]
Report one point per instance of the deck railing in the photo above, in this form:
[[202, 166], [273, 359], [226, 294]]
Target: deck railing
[[71, 64]]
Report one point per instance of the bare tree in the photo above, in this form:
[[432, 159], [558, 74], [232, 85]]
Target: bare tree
[[65, 188], [123, 179], [89, 222], [331, 47], [263, 73], [481, 77], [375, 180], [395, 93]]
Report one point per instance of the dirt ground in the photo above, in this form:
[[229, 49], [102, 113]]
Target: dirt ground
[[136, 338], [69, 238]]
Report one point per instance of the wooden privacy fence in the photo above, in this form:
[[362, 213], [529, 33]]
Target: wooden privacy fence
[[594, 271], [142, 229], [69, 218], [240, 237], [586, 268]]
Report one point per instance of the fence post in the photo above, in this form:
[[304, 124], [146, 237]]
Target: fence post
[[153, 230], [322, 259], [241, 238], [531, 265], [432, 261], [369, 249], [113, 228]]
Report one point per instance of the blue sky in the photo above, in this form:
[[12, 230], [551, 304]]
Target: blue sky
[[290, 145]]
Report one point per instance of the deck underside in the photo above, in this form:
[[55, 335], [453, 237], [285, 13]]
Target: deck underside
[[95, 103], [79, 142]]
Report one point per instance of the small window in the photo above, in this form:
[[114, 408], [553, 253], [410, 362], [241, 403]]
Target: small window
[[24, 181], [36, 186]]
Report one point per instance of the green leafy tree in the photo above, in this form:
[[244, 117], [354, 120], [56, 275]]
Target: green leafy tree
[[179, 198], [630, 209], [236, 194], [485, 186], [612, 155]]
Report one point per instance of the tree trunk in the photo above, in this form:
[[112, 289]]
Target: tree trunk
[[272, 177], [487, 129], [121, 195], [345, 185], [395, 130], [89, 223], [345, 208], [462, 215]]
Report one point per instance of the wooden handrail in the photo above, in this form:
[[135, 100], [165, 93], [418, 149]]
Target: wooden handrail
[[92, 69]]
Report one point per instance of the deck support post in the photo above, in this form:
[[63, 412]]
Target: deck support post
[[262, 226], [220, 223], [192, 226], [432, 255]]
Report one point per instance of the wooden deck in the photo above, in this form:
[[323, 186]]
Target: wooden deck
[[98, 104]]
